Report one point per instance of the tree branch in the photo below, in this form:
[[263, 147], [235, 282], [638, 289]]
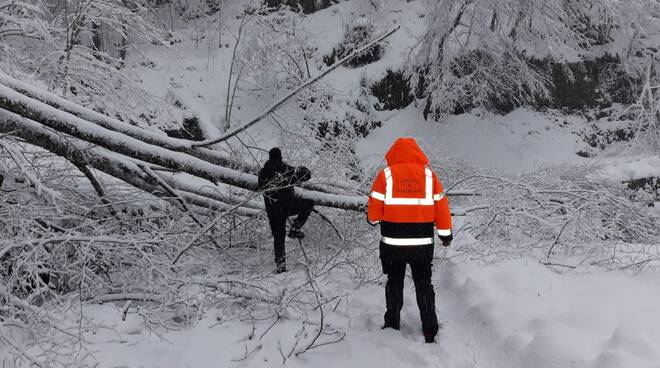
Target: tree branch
[[284, 99]]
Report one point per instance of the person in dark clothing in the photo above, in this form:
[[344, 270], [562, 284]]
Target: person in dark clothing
[[277, 179], [394, 262]]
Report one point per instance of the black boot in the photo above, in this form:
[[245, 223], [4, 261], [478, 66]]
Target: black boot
[[429, 339], [280, 266], [296, 233], [396, 327]]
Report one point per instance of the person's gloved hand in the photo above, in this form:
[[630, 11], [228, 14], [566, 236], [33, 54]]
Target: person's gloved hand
[[373, 223], [446, 240], [303, 173]]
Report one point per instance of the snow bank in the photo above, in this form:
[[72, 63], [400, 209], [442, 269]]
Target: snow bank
[[519, 141], [528, 316], [512, 314], [630, 168]]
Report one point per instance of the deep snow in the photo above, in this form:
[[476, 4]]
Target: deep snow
[[511, 314]]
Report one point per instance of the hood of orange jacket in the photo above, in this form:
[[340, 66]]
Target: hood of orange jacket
[[406, 151]]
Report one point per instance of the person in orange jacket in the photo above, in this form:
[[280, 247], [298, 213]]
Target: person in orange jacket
[[408, 202]]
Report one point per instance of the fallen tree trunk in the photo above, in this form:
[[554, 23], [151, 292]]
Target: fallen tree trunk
[[117, 142], [186, 183], [131, 147], [113, 164], [172, 154], [161, 140]]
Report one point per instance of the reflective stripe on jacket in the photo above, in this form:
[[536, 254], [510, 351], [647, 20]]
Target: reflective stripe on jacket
[[407, 198]]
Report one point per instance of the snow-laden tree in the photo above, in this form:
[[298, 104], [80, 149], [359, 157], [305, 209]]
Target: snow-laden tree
[[275, 52], [21, 19], [489, 52], [647, 110], [22, 25], [78, 49]]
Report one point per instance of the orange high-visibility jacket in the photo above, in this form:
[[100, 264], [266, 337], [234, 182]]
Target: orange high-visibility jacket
[[407, 198]]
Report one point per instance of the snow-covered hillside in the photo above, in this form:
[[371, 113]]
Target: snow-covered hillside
[[195, 74]]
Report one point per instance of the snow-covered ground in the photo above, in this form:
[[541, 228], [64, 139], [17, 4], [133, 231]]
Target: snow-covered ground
[[520, 141], [511, 314], [523, 140], [517, 313]]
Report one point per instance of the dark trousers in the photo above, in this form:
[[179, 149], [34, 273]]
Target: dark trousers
[[278, 212], [395, 268]]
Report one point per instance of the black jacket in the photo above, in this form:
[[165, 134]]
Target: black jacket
[[277, 174]]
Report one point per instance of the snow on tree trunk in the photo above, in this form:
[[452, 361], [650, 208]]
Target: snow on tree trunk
[[111, 163], [131, 147]]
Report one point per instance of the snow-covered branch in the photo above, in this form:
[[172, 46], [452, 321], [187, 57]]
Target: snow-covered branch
[[297, 90]]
